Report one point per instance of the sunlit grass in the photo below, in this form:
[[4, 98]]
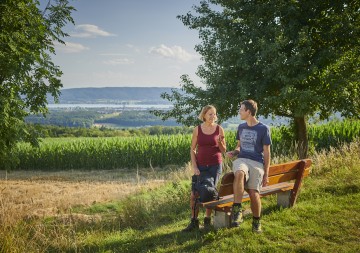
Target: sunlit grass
[[325, 218]]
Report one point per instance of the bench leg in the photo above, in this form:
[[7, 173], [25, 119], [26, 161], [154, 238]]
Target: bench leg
[[283, 199], [221, 220]]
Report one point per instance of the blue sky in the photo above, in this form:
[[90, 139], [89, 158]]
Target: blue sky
[[133, 43]]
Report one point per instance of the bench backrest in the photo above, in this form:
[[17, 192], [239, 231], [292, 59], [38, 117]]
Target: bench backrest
[[277, 173]]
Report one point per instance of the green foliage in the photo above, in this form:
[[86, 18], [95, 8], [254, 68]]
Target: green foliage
[[105, 153], [51, 131], [295, 58], [80, 117], [161, 150], [27, 73], [136, 119], [71, 118], [334, 134]]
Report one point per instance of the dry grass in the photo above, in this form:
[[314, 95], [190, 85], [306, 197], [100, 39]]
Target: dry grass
[[34, 194], [31, 196]]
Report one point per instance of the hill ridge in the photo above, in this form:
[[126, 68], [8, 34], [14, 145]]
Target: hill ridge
[[113, 95]]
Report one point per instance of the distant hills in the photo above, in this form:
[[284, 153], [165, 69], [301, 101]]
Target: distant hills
[[143, 95]]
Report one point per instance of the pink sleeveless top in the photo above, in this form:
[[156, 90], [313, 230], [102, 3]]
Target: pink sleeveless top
[[208, 152]]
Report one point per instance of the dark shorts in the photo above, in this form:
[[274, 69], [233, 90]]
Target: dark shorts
[[214, 171]]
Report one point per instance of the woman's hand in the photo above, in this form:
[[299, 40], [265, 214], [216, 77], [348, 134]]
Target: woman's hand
[[221, 139], [221, 143], [196, 171]]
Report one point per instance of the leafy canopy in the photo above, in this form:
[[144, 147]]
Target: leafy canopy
[[27, 74], [295, 58]]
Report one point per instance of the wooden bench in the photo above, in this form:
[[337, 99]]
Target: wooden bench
[[284, 180]]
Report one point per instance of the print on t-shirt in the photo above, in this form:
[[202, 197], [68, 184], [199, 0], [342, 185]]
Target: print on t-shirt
[[248, 140]]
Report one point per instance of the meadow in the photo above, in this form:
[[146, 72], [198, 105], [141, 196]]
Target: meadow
[[144, 209], [149, 218]]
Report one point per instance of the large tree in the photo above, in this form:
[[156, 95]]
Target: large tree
[[27, 74], [295, 58]]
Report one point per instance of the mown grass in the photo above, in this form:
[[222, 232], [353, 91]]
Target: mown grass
[[326, 218]]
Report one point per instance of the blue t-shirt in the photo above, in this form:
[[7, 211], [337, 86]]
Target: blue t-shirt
[[252, 139]]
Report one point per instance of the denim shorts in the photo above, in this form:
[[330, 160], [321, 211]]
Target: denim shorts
[[214, 170]]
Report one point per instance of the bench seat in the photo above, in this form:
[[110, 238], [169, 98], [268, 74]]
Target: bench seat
[[284, 180]]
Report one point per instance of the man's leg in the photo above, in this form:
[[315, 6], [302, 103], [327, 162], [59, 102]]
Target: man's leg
[[255, 202], [256, 210], [238, 184], [207, 218]]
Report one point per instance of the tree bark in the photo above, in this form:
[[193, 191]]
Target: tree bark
[[301, 136]]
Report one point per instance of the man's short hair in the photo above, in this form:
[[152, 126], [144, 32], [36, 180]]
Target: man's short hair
[[250, 105]]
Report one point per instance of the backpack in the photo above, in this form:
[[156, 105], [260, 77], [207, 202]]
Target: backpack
[[205, 187]]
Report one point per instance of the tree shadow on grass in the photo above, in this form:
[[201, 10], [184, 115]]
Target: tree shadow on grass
[[147, 241]]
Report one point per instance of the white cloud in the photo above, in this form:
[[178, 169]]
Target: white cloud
[[122, 61], [69, 47], [175, 52], [89, 31], [137, 50]]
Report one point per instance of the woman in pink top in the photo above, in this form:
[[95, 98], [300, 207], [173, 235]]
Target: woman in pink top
[[208, 142]]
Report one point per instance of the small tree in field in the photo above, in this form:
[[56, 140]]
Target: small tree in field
[[27, 74], [295, 58]]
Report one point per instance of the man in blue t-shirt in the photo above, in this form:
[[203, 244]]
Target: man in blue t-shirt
[[251, 167]]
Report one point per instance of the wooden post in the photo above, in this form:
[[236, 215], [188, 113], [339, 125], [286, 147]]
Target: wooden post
[[298, 181]]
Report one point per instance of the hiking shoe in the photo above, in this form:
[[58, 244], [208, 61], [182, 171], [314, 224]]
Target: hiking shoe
[[207, 222], [236, 216], [256, 226], [194, 224]]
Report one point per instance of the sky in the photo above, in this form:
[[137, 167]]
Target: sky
[[128, 43]]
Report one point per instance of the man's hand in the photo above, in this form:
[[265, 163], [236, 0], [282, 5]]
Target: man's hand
[[265, 180], [232, 154]]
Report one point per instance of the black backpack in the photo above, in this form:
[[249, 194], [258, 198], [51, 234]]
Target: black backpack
[[205, 187]]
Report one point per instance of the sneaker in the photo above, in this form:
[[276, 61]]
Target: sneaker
[[236, 216], [207, 222], [256, 226], [194, 224]]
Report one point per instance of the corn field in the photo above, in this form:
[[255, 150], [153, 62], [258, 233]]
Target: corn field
[[159, 151]]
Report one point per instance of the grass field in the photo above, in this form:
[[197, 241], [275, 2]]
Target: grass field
[[149, 218]]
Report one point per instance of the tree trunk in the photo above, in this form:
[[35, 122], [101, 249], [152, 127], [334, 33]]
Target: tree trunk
[[301, 136]]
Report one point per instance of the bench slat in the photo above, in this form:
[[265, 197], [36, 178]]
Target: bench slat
[[286, 177], [288, 167], [228, 200], [227, 189]]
